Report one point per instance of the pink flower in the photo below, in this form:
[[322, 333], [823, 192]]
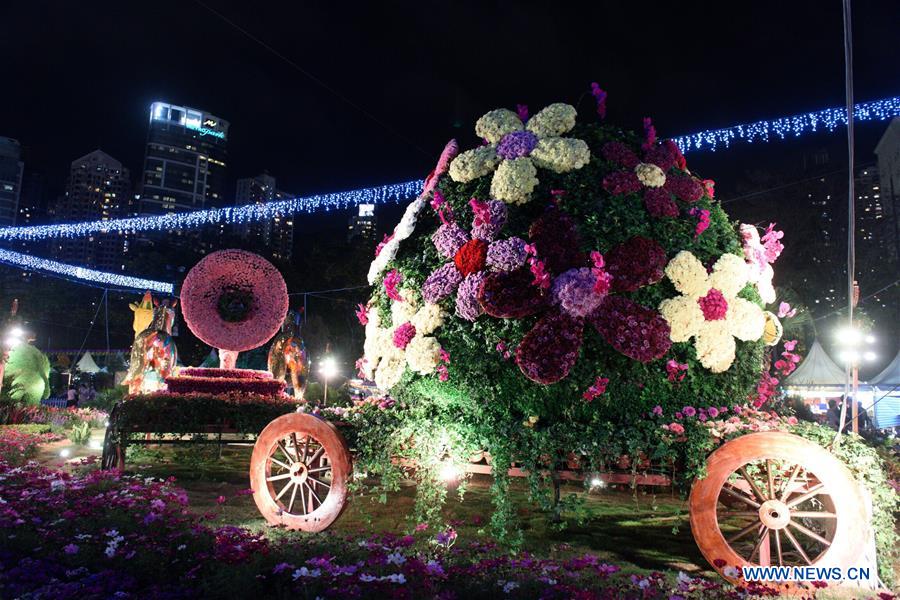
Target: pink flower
[[772, 242], [713, 412], [689, 411], [650, 132], [220, 500], [792, 420], [790, 345], [522, 112], [657, 410], [445, 356], [541, 276], [387, 238], [676, 370], [438, 203], [391, 282], [702, 220], [362, 314], [710, 187], [421, 527], [404, 334], [785, 311], [598, 389], [679, 416], [600, 98], [604, 279], [676, 428]]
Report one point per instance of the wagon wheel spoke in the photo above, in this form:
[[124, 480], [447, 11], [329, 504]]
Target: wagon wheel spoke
[[743, 532], [316, 454], [738, 513], [296, 447], [763, 538], [796, 544], [314, 494], [320, 469], [277, 477], [809, 533], [778, 548], [771, 478], [742, 497], [305, 448], [786, 491], [752, 482], [813, 491], [316, 481], [813, 515], [283, 490], [293, 496], [279, 463], [284, 451]]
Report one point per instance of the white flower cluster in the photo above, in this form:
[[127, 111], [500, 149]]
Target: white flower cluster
[[383, 361], [514, 181], [650, 175], [713, 335], [760, 271], [516, 176], [402, 231]]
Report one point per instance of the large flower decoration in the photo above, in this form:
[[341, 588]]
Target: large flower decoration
[[576, 295], [760, 254], [472, 255], [709, 309], [234, 300], [515, 149]]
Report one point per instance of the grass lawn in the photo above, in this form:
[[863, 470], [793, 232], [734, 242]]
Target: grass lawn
[[633, 530]]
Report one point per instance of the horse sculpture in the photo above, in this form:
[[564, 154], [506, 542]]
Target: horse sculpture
[[288, 355], [153, 350]]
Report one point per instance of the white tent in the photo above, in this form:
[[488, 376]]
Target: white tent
[[887, 395], [86, 364], [816, 379]]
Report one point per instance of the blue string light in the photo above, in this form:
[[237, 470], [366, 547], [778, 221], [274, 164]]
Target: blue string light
[[230, 215], [34, 263], [830, 118]]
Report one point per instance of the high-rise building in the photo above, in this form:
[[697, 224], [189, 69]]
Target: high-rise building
[[184, 164], [888, 153], [11, 168], [98, 188], [277, 235], [362, 224]]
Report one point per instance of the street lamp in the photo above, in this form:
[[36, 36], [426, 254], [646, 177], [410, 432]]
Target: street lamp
[[327, 369], [853, 343]]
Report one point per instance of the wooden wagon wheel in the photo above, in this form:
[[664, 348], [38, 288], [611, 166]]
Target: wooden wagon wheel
[[113, 456], [774, 498], [299, 472]]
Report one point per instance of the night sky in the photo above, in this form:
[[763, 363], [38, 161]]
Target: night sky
[[378, 87]]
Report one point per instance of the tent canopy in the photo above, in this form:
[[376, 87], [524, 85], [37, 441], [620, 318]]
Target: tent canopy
[[891, 374], [87, 365], [816, 370]]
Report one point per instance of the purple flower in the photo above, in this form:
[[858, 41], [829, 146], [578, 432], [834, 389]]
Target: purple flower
[[679, 416], [467, 305], [574, 292], [507, 255], [490, 217], [70, 549], [449, 238], [516, 144], [689, 411], [713, 412], [441, 283], [657, 410]]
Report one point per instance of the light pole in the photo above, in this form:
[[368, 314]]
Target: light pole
[[327, 369], [853, 343]]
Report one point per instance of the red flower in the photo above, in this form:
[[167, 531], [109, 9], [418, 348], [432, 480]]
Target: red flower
[[470, 258], [635, 263], [713, 305], [685, 187], [622, 182], [659, 203]]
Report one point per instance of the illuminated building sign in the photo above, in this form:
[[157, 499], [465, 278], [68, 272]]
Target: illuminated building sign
[[211, 123], [205, 131]]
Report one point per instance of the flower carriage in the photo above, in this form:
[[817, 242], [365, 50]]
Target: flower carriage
[[558, 284]]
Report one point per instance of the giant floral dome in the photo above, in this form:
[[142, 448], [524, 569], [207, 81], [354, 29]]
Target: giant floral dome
[[564, 271]]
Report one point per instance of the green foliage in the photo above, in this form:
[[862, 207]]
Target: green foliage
[[81, 433], [105, 399], [871, 472], [27, 375]]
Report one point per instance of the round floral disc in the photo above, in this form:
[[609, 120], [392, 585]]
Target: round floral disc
[[234, 300]]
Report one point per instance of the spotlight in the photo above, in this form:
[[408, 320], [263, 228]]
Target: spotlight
[[449, 473], [95, 445], [65, 453], [596, 482]]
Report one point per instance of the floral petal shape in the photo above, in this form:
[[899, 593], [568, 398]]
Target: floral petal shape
[[550, 349], [553, 120], [494, 125], [715, 346], [688, 274], [514, 180], [730, 274], [473, 164], [441, 283], [561, 155], [510, 295], [683, 315], [634, 263], [746, 321], [638, 332], [556, 239]]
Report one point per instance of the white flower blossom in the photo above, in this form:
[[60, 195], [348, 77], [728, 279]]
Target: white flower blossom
[[650, 175]]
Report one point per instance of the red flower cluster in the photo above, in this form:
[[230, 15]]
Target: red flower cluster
[[224, 373], [622, 182], [635, 263], [620, 154], [685, 187], [556, 241], [222, 385], [511, 295], [550, 349], [470, 258], [713, 305], [659, 203], [638, 332]]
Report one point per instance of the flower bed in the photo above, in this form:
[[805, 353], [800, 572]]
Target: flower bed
[[167, 412], [221, 385], [108, 535], [225, 373], [57, 417], [18, 445]]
